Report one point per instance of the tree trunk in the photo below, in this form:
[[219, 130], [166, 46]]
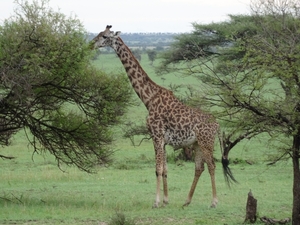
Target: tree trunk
[[188, 153], [251, 207], [296, 185]]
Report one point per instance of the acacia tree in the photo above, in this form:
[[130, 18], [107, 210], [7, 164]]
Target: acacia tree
[[151, 55], [250, 70], [49, 88]]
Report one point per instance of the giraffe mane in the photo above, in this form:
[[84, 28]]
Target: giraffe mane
[[137, 62]]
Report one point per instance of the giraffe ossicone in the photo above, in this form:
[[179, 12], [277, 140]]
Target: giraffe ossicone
[[169, 121]]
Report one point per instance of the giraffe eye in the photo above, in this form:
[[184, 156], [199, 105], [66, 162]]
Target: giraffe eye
[[104, 37]]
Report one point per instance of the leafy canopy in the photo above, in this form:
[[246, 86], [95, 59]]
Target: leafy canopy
[[248, 67], [49, 88]]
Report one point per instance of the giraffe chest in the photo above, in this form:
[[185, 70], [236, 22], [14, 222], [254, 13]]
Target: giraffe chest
[[179, 138]]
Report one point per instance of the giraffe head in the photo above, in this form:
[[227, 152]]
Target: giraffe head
[[105, 38]]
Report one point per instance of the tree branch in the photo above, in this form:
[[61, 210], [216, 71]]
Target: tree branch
[[7, 157]]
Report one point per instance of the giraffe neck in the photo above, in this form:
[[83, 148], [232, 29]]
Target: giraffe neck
[[140, 81]]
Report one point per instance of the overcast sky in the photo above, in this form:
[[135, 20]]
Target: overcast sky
[[142, 15]]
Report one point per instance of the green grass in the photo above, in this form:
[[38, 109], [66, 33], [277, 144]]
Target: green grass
[[37, 192]]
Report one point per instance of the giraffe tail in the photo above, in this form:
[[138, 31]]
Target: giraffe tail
[[229, 178]]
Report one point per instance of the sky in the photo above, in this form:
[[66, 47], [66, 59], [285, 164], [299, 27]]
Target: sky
[[131, 16]]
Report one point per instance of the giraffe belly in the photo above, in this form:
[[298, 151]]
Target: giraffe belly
[[180, 139]]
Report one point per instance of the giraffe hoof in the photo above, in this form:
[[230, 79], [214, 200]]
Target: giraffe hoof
[[165, 203], [214, 203], [155, 205], [185, 204]]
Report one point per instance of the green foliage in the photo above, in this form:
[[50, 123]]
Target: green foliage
[[209, 41], [49, 87]]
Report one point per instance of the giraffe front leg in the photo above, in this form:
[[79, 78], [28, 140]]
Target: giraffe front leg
[[157, 197], [161, 174], [159, 177], [165, 183], [161, 170]]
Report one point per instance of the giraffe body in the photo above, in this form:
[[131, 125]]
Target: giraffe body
[[169, 121]]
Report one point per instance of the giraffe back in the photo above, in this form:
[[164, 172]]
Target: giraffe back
[[178, 124]]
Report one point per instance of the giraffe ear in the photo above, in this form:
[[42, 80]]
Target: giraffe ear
[[117, 34]]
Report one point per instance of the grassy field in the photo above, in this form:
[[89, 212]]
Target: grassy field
[[34, 191]]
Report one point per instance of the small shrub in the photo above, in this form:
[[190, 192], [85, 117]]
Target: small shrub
[[238, 161], [120, 219]]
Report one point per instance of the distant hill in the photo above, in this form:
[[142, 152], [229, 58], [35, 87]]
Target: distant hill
[[146, 40]]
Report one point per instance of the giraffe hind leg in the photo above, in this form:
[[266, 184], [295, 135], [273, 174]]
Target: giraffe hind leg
[[211, 169], [209, 160], [199, 168], [203, 155]]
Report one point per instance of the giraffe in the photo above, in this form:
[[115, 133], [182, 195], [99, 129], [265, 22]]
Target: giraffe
[[169, 121]]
